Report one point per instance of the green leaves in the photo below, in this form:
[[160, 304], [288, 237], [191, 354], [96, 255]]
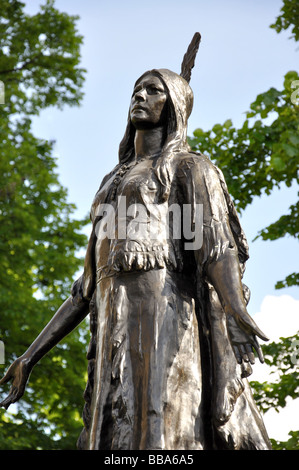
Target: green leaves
[[288, 18], [261, 154], [290, 280], [281, 356], [284, 360], [291, 444], [39, 239], [39, 59]]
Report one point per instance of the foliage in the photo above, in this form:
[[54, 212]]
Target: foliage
[[290, 444], [283, 357], [288, 18], [39, 240], [262, 154], [39, 58]]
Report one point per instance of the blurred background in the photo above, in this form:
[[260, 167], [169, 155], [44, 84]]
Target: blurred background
[[240, 56]]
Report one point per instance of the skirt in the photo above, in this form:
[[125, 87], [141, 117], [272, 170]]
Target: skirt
[[147, 391]]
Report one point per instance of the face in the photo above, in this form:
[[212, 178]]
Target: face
[[148, 103]]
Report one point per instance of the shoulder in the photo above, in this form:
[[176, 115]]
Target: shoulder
[[101, 193], [203, 182], [197, 165]]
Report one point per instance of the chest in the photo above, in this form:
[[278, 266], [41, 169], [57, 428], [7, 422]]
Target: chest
[[135, 184]]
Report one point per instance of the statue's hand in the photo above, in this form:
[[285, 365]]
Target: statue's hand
[[18, 372], [244, 341]]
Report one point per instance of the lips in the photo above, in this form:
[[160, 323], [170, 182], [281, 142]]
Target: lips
[[137, 108]]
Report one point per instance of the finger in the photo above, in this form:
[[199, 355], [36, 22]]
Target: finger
[[13, 396], [17, 393], [258, 349], [4, 405], [6, 402], [250, 353], [249, 322], [5, 379], [243, 353], [237, 354]]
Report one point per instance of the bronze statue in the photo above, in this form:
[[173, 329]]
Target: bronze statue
[[171, 340]]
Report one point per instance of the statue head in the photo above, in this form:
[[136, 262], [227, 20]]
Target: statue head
[[149, 103], [170, 105]]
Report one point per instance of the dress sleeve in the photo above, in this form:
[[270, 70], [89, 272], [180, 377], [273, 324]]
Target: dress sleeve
[[201, 187]]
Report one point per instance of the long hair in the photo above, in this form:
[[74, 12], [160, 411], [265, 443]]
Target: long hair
[[179, 106], [126, 147]]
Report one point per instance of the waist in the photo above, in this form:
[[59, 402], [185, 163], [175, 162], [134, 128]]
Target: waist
[[136, 255], [147, 285], [126, 262]]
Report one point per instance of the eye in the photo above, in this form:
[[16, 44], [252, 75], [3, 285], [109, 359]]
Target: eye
[[153, 90]]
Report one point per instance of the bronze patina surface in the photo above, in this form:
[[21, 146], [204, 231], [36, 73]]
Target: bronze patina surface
[[172, 343]]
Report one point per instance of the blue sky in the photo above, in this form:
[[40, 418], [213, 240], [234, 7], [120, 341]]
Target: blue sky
[[239, 57]]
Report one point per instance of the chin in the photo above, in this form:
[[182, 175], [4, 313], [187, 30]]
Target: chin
[[142, 125]]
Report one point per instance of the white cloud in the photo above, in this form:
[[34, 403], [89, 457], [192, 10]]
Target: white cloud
[[278, 317], [278, 425]]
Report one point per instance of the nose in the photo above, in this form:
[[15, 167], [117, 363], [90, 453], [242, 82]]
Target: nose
[[140, 95]]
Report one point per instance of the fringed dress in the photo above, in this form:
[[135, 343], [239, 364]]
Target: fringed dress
[[162, 373]]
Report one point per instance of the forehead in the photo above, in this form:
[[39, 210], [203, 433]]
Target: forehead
[[149, 79]]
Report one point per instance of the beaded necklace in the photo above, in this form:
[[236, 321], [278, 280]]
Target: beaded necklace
[[121, 172]]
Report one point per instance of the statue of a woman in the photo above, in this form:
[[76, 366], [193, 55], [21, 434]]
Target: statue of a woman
[[171, 340]]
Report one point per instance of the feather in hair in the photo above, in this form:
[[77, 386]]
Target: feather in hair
[[189, 57]]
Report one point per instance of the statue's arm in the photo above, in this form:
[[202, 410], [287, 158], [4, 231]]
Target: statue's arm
[[225, 276], [67, 317], [217, 258]]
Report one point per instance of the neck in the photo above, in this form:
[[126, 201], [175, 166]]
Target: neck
[[149, 141]]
